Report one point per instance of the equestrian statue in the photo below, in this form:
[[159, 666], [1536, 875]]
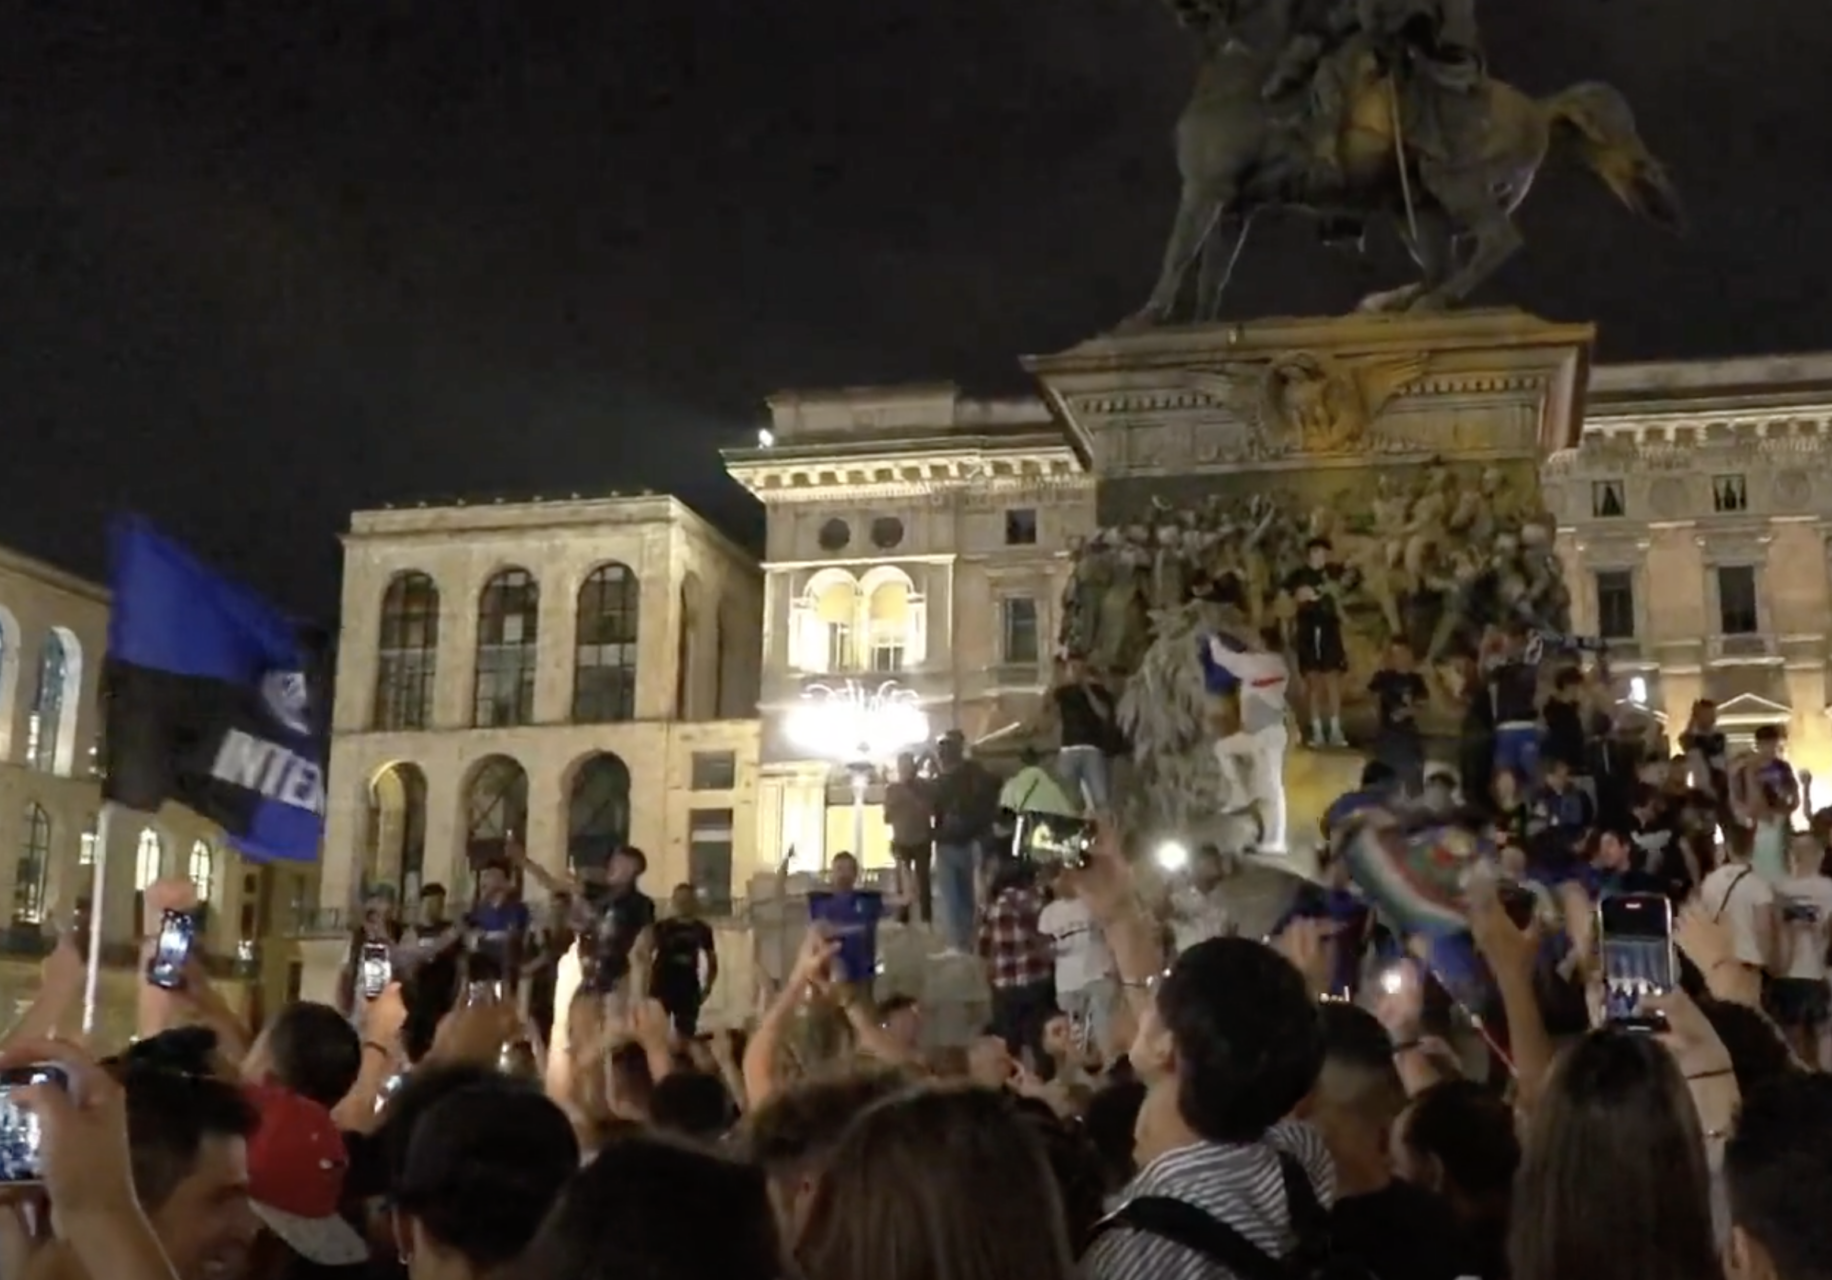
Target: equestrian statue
[[1355, 109]]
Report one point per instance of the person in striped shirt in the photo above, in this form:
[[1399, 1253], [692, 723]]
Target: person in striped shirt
[[1227, 1047]]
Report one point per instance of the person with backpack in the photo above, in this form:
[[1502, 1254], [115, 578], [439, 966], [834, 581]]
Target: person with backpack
[[1229, 1187], [1744, 903]]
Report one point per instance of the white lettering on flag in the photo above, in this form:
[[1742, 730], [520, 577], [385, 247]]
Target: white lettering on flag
[[270, 769]]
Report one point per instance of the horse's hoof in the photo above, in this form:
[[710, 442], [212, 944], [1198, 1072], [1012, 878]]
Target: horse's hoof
[[1388, 300], [1139, 321]]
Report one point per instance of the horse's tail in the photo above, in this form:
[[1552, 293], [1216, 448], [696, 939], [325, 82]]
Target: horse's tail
[[1596, 123]]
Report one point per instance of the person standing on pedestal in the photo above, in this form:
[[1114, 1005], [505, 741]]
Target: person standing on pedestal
[[1399, 693], [909, 810], [966, 799], [1083, 709], [1317, 637]]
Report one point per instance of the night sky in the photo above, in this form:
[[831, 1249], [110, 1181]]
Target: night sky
[[262, 264]]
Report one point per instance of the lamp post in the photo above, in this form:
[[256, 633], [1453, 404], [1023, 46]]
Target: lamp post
[[856, 726]]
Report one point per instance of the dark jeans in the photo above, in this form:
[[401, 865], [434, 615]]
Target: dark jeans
[[682, 1004], [1019, 1015], [915, 861]]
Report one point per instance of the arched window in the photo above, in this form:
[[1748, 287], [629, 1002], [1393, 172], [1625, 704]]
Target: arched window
[[47, 718], [407, 657], [508, 621], [203, 870], [496, 809], [397, 830], [827, 623], [894, 620], [887, 617], [32, 866], [604, 649], [598, 811], [149, 865], [687, 703], [149, 859]]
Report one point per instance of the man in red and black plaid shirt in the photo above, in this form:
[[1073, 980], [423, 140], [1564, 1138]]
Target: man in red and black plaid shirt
[[1020, 963]]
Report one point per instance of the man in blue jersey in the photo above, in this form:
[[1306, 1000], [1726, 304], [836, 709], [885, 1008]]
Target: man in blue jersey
[[849, 915]]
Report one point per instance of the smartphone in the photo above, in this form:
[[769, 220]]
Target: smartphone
[[21, 1139], [1054, 840], [1635, 940], [483, 993], [172, 952], [376, 969]]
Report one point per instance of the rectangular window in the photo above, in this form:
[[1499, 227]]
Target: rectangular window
[[1607, 500], [505, 686], [404, 688], [709, 858], [1021, 527], [1737, 611], [1616, 604], [715, 770], [887, 656], [1018, 631], [839, 647], [1729, 494]]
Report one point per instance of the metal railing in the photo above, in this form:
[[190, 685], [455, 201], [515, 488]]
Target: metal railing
[[29, 942]]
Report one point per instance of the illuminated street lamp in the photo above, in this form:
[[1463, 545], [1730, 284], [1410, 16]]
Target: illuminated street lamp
[[856, 727]]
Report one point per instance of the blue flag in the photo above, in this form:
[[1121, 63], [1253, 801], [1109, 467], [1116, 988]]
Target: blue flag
[[215, 700]]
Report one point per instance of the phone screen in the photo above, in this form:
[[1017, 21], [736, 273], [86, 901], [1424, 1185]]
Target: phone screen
[[377, 969], [172, 952], [21, 1160], [1635, 938], [1050, 840]]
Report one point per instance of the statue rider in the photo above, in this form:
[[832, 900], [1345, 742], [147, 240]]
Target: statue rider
[[1431, 49]]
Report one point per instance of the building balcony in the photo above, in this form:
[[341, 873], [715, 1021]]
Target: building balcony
[[1733, 649]]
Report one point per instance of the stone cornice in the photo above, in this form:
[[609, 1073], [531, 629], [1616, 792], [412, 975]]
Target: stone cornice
[[636, 514], [786, 476]]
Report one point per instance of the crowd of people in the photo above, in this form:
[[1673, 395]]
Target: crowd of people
[[1153, 1095]]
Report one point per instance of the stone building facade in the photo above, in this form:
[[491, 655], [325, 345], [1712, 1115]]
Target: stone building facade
[[915, 535], [1693, 522], [562, 675], [53, 631]]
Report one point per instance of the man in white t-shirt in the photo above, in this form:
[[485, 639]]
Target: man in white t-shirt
[[1799, 998], [1744, 902], [1086, 986]]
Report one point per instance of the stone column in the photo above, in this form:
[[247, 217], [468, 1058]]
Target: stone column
[[456, 681]]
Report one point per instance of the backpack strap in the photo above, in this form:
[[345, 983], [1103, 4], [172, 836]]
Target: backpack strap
[[1309, 1219], [1198, 1231], [1724, 902]]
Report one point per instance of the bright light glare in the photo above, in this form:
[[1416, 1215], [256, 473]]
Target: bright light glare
[[1638, 690], [766, 438], [1392, 980], [1172, 855], [852, 723]]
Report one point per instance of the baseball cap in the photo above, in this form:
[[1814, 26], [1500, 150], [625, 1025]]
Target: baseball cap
[[484, 1166], [296, 1167]]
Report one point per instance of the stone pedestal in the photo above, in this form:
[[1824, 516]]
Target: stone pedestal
[[1412, 442]]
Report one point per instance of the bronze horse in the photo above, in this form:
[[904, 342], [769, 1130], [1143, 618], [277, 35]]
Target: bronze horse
[[1240, 154]]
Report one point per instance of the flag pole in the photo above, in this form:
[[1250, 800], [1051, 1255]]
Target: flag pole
[[98, 883]]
